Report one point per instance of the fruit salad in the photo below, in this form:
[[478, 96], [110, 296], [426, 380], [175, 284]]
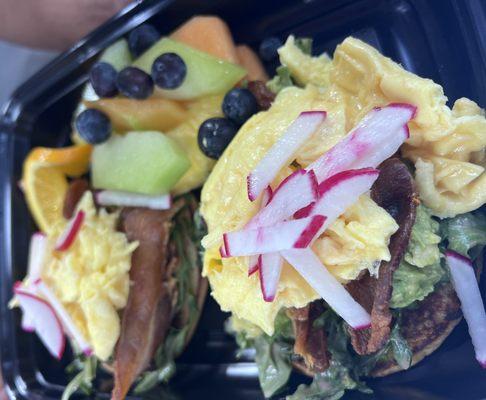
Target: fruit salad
[[115, 269]]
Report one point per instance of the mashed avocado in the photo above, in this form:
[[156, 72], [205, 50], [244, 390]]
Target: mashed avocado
[[420, 270]]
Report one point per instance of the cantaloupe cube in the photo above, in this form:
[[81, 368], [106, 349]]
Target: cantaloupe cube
[[249, 60], [209, 34]]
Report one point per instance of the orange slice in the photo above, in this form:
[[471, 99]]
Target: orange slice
[[45, 184]]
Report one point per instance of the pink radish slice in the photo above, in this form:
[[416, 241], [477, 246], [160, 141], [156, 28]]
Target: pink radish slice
[[69, 235], [318, 277], [281, 153], [376, 138], [270, 269], [68, 324], [37, 254], [282, 236], [45, 322], [467, 289], [267, 196], [222, 251], [253, 263], [27, 323], [128, 199], [339, 192], [298, 190]]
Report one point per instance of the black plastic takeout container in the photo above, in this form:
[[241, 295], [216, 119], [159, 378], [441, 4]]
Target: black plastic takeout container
[[444, 40]]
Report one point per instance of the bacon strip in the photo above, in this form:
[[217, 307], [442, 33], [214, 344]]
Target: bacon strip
[[310, 342], [148, 314], [394, 190], [75, 191]]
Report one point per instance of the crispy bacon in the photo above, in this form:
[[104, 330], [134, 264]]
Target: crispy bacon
[[75, 191], [394, 190], [310, 342], [148, 314]]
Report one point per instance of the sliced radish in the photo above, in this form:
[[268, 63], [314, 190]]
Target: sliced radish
[[281, 153], [68, 324], [69, 235], [270, 269], [253, 264], [253, 261], [296, 234], [376, 138], [37, 254], [297, 190], [44, 321], [128, 199], [318, 277], [467, 289], [27, 323], [338, 193]]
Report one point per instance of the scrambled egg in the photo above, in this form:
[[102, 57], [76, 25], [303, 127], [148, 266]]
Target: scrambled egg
[[358, 240], [225, 207], [447, 146], [91, 277]]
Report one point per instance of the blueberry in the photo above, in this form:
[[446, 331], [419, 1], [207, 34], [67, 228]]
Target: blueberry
[[239, 105], [269, 47], [93, 126], [103, 79], [214, 135], [135, 83], [141, 38], [169, 71]]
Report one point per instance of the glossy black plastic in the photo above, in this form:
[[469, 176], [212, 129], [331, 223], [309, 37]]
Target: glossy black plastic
[[444, 40]]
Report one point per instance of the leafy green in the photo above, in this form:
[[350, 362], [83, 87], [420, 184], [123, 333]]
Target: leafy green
[[304, 44], [423, 247], [281, 80], [401, 351], [464, 231], [346, 367], [83, 380], [273, 361], [411, 283], [329, 385]]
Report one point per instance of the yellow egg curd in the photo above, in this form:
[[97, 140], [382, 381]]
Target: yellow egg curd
[[91, 277]]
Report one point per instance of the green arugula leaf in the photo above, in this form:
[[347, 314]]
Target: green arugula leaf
[[83, 380], [304, 44], [281, 80], [273, 361], [465, 231], [401, 350]]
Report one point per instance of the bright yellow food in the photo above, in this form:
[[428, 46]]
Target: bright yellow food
[[305, 68], [225, 207], [45, 184], [152, 114], [446, 145], [357, 240], [91, 277], [186, 136]]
